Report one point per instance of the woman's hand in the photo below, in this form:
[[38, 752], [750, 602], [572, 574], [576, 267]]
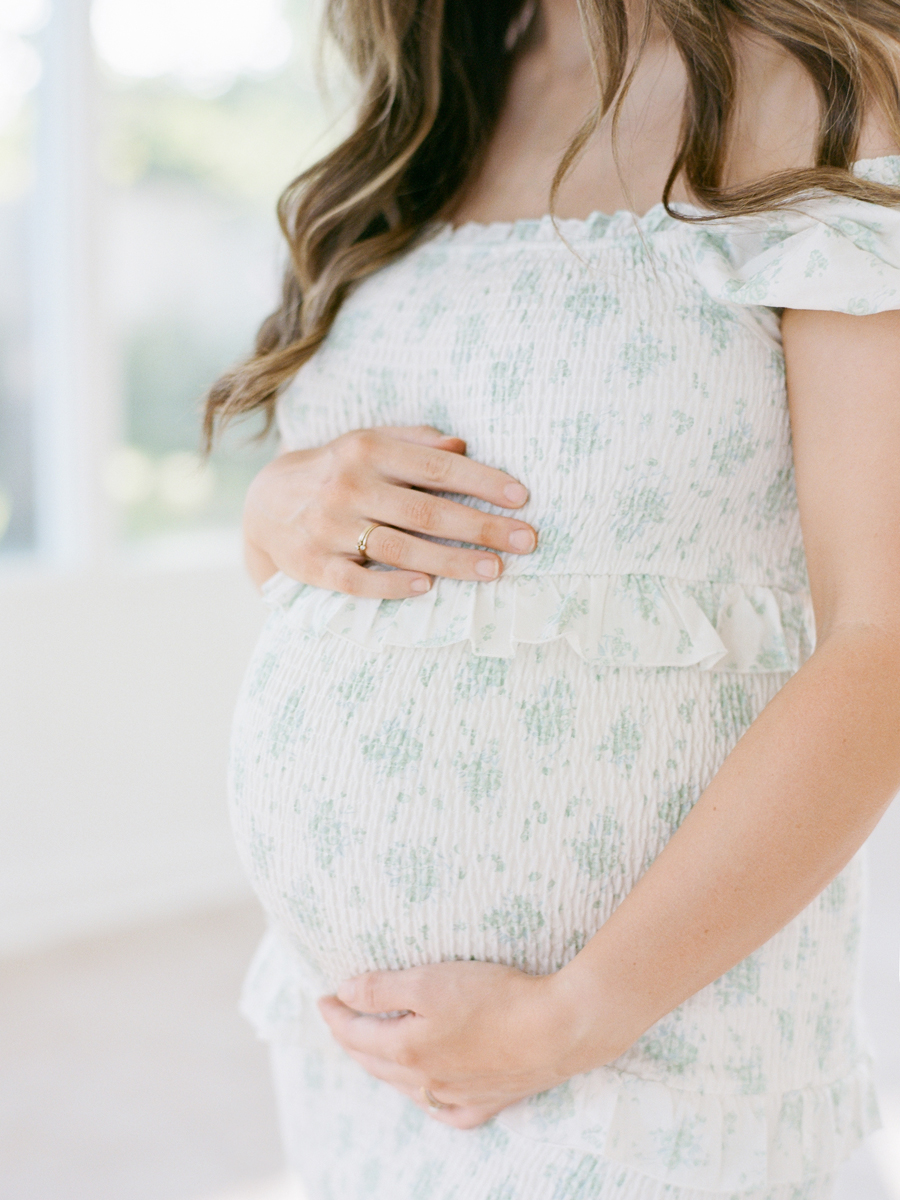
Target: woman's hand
[[478, 1036], [306, 510]]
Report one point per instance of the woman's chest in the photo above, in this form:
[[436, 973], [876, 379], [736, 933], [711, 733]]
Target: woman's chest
[[555, 365]]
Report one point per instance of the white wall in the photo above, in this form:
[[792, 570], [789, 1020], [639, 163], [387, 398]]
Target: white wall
[[116, 691]]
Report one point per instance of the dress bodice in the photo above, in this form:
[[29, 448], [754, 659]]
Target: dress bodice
[[434, 802], [629, 372]]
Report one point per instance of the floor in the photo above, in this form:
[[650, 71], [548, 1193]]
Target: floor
[[126, 1072]]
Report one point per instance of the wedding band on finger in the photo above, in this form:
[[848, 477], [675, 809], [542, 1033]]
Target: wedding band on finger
[[363, 540], [430, 1100]]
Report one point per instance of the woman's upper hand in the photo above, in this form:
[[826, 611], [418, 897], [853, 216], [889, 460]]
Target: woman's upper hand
[[307, 509]]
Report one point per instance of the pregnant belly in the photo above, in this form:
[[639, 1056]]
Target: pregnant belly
[[416, 805]]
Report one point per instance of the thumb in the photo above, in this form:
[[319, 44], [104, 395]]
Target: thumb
[[379, 992], [427, 435]]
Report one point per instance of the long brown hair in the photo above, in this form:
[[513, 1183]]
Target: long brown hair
[[433, 76]]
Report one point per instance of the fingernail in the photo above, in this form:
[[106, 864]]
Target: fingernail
[[419, 585], [522, 539], [487, 568], [515, 493]]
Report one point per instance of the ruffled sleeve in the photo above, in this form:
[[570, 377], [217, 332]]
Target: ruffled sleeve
[[828, 252]]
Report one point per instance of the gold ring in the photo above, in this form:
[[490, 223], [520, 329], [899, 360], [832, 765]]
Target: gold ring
[[430, 1100], [363, 540]]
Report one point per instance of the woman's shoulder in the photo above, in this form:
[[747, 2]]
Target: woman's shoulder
[[777, 120], [776, 114], [877, 141], [819, 249], [880, 134]]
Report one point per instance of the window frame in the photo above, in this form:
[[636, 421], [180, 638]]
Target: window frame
[[77, 415], [74, 401]]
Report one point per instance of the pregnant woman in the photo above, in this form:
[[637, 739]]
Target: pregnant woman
[[580, 689]]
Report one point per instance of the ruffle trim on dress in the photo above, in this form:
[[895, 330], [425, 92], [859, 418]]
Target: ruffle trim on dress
[[718, 1142], [276, 997], [615, 620], [708, 1141], [600, 226]]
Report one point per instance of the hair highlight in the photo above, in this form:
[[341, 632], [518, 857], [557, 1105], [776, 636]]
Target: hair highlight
[[432, 78]]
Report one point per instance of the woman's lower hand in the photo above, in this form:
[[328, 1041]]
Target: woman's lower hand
[[476, 1037], [307, 509]]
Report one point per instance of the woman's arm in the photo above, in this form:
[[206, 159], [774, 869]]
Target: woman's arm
[[810, 778], [306, 509], [790, 806]]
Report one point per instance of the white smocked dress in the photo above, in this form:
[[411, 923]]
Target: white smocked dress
[[485, 771]]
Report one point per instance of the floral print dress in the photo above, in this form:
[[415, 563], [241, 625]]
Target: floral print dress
[[485, 771]]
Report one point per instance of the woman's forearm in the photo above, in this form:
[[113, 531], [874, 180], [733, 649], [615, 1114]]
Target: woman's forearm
[[788, 809]]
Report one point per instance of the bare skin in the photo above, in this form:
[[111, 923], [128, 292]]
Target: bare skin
[[808, 781], [306, 510]]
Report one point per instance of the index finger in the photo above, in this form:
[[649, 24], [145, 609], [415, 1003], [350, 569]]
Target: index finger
[[425, 435], [444, 471], [383, 1037]]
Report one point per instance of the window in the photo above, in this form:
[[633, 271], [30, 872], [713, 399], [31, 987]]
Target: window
[[20, 69], [164, 134]]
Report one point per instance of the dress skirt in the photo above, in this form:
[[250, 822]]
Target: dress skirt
[[414, 805], [350, 1137]]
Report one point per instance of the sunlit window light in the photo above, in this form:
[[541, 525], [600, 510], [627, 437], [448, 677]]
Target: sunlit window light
[[129, 476], [23, 16], [183, 481], [205, 44], [20, 65], [5, 512]]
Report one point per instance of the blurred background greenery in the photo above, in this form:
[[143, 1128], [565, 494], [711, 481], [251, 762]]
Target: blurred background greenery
[[204, 110]]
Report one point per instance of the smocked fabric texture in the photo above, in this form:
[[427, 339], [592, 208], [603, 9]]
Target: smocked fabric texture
[[485, 771], [414, 805]]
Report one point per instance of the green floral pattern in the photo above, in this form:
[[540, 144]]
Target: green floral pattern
[[486, 771]]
